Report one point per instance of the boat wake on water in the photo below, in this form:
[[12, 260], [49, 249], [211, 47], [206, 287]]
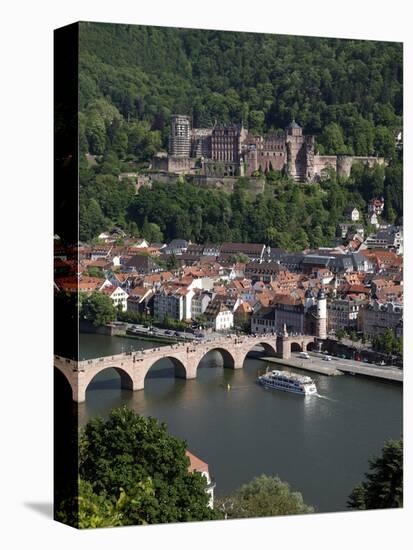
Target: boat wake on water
[[325, 397], [229, 387]]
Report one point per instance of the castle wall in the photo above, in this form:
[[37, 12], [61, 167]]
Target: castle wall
[[178, 165], [271, 160], [342, 163], [324, 161], [225, 183], [369, 161]]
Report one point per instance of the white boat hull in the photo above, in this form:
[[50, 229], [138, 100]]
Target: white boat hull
[[310, 390]]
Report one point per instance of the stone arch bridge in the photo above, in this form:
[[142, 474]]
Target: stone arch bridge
[[133, 366]]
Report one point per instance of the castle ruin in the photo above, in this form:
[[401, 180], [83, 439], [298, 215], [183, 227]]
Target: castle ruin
[[230, 150]]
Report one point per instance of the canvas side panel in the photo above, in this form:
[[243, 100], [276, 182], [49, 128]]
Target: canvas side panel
[[66, 335]]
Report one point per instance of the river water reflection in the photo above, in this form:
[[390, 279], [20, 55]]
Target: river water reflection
[[320, 444]]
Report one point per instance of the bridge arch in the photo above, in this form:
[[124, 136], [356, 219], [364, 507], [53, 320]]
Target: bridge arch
[[267, 347], [311, 346], [228, 358], [125, 377], [296, 346], [178, 366]]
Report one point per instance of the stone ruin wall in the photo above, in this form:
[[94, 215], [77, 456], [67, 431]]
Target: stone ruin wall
[[323, 161], [342, 164], [177, 165]]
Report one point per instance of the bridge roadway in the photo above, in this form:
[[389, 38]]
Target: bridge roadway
[[134, 366], [365, 369], [317, 367], [338, 366]]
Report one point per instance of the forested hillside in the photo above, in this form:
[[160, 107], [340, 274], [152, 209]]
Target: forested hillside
[[148, 73], [346, 92]]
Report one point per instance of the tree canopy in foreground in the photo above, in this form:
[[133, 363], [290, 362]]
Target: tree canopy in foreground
[[261, 497], [383, 486], [133, 472]]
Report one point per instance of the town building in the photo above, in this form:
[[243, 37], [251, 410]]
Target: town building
[[141, 264], [373, 219], [243, 314], [176, 246], [253, 251], [390, 238], [376, 318], [263, 271], [376, 206], [342, 314], [118, 296], [285, 312], [218, 315], [139, 300], [353, 214], [173, 302], [200, 301]]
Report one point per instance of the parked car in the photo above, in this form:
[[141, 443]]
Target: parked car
[[326, 358], [304, 355]]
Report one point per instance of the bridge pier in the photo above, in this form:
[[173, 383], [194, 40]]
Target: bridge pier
[[239, 361], [79, 393], [283, 348]]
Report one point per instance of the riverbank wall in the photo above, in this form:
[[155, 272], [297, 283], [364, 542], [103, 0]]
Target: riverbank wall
[[107, 330]]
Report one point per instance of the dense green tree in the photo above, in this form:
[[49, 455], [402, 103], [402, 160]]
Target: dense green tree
[[333, 140], [263, 496], [384, 142], [134, 454], [91, 218], [98, 309], [93, 510], [95, 272], [152, 232], [388, 343], [383, 487], [289, 216]]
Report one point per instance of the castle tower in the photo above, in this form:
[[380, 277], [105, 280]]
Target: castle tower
[[251, 157], [180, 136], [296, 152], [321, 327], [294, 129]]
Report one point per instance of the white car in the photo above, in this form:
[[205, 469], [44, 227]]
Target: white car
[[327, 358]]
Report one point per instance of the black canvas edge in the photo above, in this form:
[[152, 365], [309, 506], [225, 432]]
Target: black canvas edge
[[66, 226]]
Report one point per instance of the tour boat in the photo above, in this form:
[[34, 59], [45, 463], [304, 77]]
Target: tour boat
[[287, 381]]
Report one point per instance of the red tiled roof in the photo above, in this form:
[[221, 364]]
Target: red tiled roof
[[244, 307], [196, 464]]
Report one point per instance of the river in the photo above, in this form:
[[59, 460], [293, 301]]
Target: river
[[319, 444]]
